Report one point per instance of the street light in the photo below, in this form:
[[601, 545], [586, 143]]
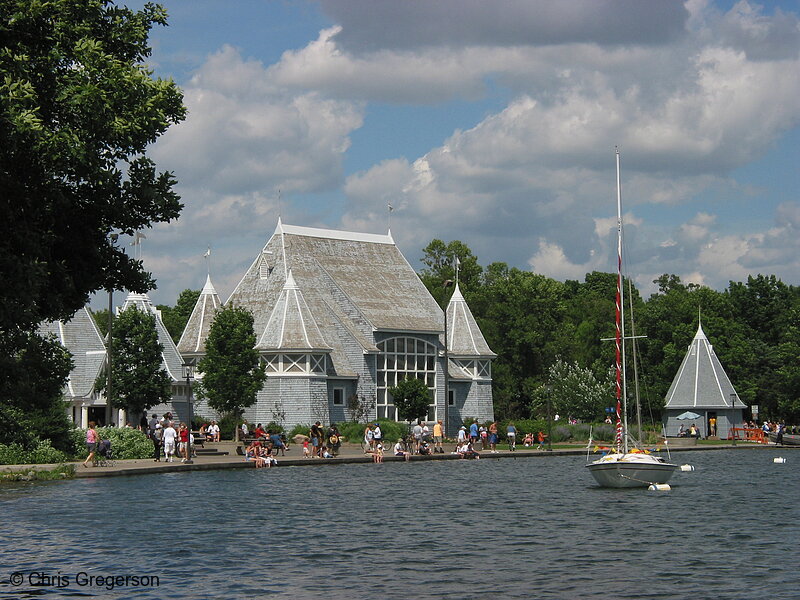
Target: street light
[[446, 284], [188, 373], [549, 389], [113, 237]]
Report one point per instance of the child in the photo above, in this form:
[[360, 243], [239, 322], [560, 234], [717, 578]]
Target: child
[[377, 456], [306, 449]]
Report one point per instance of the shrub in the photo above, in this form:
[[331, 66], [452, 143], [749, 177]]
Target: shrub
[[227, 426], [41, 453], [300, 428], [126, 442]]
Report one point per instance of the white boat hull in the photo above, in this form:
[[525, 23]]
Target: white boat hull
[[631, 470]]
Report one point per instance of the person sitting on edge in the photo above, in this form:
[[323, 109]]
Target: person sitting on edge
[[424, 449], [377, 455], [400, 451], [528, 441], [212, 432], [277, 442], [326, 452], [252, 450]]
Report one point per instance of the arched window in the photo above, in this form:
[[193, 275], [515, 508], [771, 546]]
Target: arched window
[[403, 358]]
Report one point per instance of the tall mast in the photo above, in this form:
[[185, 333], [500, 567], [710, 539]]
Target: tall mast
[[622, 412]]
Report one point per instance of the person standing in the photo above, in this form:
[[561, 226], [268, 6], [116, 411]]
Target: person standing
[[316, 439], [378, 435], [91, 443], [438, 437], [511, 434], [369, 439], [169, 437], [155, 436], [417, 433], [473, 432], [183, 447], [493, 437]]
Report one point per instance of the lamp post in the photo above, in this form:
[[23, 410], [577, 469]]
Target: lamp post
[[446, 284], [113, 237], [188, 372], [549, 389]]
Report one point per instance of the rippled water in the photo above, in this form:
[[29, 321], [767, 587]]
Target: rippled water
[[511, 528]]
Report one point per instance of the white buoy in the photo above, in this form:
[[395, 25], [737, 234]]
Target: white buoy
[[659, 487], [686, 468], [779, 459]]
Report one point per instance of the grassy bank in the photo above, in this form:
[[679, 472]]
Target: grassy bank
[[38, 474]]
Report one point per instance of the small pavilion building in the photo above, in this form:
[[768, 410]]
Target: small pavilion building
[[701, 386]]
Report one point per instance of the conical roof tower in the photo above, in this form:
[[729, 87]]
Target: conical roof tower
[[291, 325], [464, 337], [193, 339], [171, 359], [701, 382]]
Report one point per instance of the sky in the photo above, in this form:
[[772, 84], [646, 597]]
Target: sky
[[492, 123]]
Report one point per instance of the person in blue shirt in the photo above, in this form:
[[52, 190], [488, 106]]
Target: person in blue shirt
[[277, 442], [511, 434], [473, 432]]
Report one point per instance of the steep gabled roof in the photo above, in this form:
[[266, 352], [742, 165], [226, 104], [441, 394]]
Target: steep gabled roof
[[701, 382], [81, 336], [352, 283], [171, 359], [291, 325], [193, 339], [464, 337]]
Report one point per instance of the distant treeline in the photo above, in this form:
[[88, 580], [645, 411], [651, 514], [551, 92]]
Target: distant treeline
[[530, 321]]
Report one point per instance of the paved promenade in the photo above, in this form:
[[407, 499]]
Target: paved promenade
[[349, 454]]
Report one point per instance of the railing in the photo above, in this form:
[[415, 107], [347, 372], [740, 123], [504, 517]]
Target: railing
[[748, 434]]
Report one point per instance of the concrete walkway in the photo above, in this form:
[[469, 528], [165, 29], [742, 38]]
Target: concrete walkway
[[349, 454]]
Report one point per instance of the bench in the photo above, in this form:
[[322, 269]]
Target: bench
[[199, 439]]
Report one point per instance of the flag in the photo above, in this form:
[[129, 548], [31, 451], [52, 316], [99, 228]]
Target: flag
[[208, 252], [458, 262], [391, 208], [137, 238]]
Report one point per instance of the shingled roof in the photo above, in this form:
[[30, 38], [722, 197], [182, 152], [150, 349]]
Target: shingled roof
[[701, 382], [81, 336], [193, 338], [464, 337], [291, 325], [171, 359], [353, 284]]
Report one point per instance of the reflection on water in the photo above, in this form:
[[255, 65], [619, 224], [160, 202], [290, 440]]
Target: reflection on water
[[513, 528]]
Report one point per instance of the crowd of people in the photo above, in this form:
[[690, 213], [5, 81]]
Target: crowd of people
[[169, 438]]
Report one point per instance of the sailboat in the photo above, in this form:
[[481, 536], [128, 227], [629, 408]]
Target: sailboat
[[626, 467]]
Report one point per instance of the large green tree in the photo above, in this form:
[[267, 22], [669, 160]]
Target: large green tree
[[33, 371], [232, 373], [138, 379], [78, 110]]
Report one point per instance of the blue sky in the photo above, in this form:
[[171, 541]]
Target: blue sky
[[491, 123]]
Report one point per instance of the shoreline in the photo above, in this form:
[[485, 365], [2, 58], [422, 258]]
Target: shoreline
[[350, 454]]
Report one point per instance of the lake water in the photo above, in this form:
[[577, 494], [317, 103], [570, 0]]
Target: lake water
[[528, 528]]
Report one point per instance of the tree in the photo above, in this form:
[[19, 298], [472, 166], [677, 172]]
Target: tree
[[575, 392], [175, 318], [78, 109], [412, 399], [439, 259], [138, 379], [232, 373], [33, 371]]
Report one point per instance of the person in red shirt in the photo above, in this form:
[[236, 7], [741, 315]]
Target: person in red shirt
[[184, 442]]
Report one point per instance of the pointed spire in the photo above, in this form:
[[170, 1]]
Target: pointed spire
[[194, 335], [291, 325], [464, 337]]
